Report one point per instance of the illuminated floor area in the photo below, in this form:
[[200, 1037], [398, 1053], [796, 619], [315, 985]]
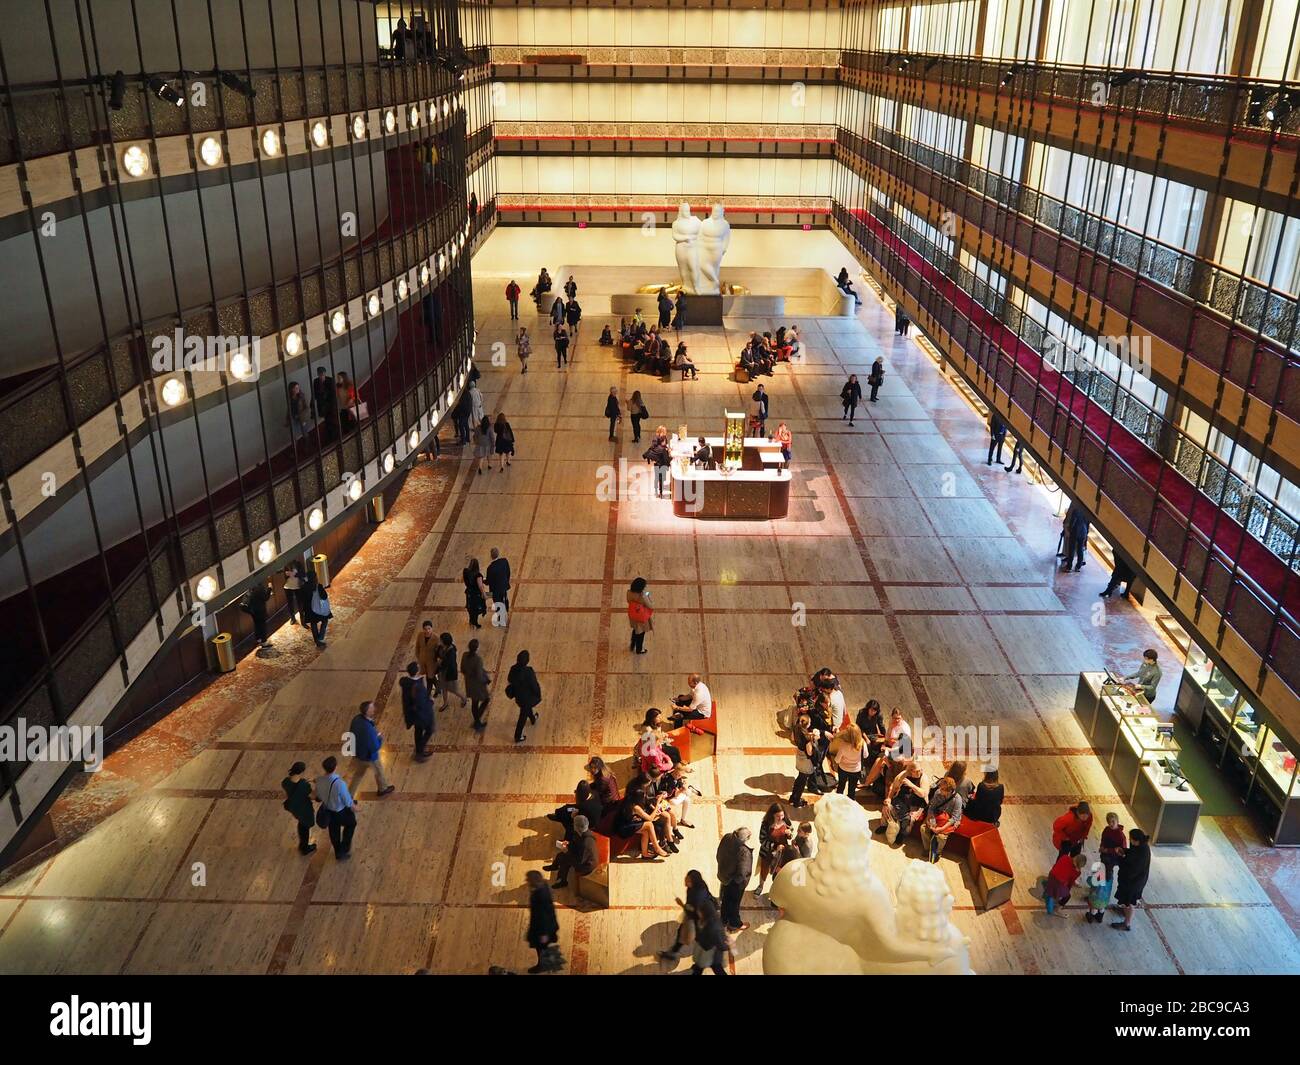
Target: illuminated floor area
[[929, 583]]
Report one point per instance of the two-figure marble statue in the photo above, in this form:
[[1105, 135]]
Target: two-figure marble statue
[[838, 918], [700, 248]]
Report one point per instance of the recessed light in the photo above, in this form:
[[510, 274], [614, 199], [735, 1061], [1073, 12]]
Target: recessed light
[[135, 160], [359, 127], [320, 134], [355, 489], [402, 288], [424, 273], [433, 110], [338, 322], [241, 365], [442, 261], [271, 142], [210, 151], [265, 551], [446, 107], [173, 391], [390, 120], [315, 519], [389, 462], [206, 588], [372, 304], [293, 343], [461, 240], [413, 116], [413, 439]]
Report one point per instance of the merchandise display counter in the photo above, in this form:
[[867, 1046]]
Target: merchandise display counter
[[1141, 756], [758, 489]]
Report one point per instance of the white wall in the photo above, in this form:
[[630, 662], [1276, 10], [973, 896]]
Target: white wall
[[559, 28]]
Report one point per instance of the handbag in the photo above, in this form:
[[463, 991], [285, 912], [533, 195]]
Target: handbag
[[324, 815]]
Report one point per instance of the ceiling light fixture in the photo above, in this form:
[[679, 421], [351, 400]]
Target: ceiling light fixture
[[315, 519], [173, 391], [207, 587], [338, 322], [166, 92], [271, 142], [293, 343], [265, 551], [135, 160], [210, 151], [320, 134]]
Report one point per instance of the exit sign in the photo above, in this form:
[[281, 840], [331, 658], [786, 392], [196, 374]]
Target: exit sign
[[582, 225], [806, 227]]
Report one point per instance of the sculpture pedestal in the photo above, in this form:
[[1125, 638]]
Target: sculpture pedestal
[[703, 310]]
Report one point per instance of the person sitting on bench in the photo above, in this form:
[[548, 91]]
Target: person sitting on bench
[[696, 704], [683, 363], [577, 852]]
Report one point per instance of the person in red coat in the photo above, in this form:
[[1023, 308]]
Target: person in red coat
[[1056, 892], [1071, 829]]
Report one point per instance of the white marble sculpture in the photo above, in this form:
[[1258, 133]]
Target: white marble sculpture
[[715, 236], [686, 229], [838, 917]]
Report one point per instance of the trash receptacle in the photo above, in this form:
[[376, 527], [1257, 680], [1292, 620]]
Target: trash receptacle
[[223, 653], [320, 565], [376, 505]]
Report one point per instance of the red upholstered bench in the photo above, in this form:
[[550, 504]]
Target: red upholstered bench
[[986, 857]]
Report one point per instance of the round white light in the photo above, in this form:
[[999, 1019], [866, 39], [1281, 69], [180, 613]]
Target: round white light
[[206, 588], [402, 288], [315, 519], [454, 250], [388, 463], [241, 365], [413, 439], [338, 322], [461, 240], [210, 151], [390, 121], [355, 489], [135, 160], [442, 261], [271, 142], [320, 134], [446, 107], [265, 551], [372, 304], [433, 110], [173, 391], [414, 116], [359, 127], [293, 343], [424, 274]]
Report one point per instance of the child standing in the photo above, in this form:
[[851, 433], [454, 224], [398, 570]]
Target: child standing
[[1056, 892], [1099, 887], [1112, 844]]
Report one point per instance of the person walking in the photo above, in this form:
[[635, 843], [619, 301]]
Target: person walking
[[637, 411], [997, 437], [660, 457], [613, 411], [292, 586], [876, 377], [319, 611], [299, 417], [573, 315], [557, 311], [484, 444], [561, 338], [297, 801], [448, 673], [665, 309], [901, 321], [1070, 830], [640, 614], [761, 401], [1017, 463], [523, 348], [477, 684], [512, 298], [571, 288], [543, 926], [426, 652], [254, 604], [850, 397], [367, 742], [847, 749], [460, 416], [417, 708], [1121, 574], [523, 688], [338, 809], [497, 579], [735, 866], [476, 592], [504, 440]]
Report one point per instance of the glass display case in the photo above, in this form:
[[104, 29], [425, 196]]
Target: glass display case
[[733, 441], [1243, 744]]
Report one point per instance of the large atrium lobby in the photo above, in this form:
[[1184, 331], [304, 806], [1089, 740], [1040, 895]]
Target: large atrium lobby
[[1053, 247]]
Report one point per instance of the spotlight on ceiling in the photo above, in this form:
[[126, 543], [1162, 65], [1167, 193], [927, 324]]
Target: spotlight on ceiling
[[243, 86], [166, 92], [117, 90]]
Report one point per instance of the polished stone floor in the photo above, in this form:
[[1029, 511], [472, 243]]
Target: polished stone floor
[[927, 581]]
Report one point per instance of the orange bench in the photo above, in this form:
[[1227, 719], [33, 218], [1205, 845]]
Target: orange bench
[[698, 738], [986, 857]]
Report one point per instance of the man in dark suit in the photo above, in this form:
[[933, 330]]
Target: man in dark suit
[[498, 581], [325, 400], [417, 708], [577, 852]]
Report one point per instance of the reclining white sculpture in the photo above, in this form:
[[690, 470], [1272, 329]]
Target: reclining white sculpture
[[838, 918]]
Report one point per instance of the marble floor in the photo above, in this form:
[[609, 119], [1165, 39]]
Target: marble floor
[[926, 579]]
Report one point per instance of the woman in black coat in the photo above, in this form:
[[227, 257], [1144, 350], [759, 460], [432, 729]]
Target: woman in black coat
[[297, 800], [850, 396], [475, 601], [522, 687], [543, 925], [1133, 869], [665, 309]]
